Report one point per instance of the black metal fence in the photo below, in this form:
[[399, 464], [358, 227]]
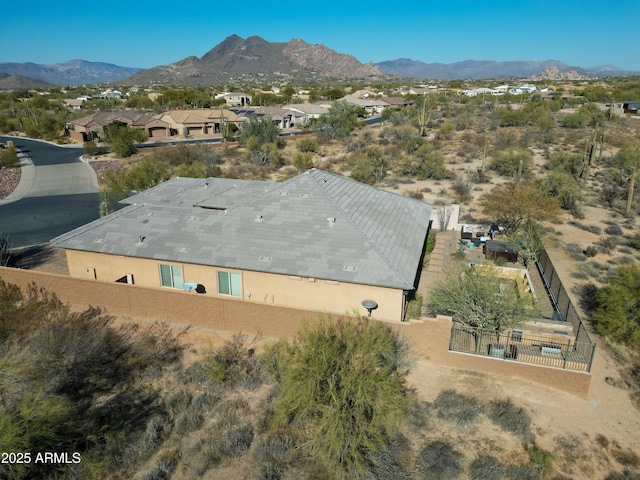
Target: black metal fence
[[565, 311], [518, 346], [572, 353]]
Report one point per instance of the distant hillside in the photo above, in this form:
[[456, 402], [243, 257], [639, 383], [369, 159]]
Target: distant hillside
[[74, 72], [8, 81], [255, 58], [475, 69]]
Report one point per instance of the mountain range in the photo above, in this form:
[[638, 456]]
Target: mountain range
[[74, 72], [238, 60], [475, 69]]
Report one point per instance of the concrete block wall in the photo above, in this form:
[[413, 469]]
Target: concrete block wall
[[429, 338]]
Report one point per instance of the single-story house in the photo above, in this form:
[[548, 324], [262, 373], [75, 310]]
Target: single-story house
[[317, 241], [91, 127], [199, 123], [281, 118], [303, 113], [397, 103], [372, 106]]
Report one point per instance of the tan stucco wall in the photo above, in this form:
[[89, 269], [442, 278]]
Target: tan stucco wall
[[265, 288], [429, 338]]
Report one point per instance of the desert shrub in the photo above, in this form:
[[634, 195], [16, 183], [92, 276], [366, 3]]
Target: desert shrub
[[522, 472], [635, 241], [591, 251], [456, 407], [510, 162], [616, 313], [9, 157], [607, 244], [416, 193], [237, 440], [161, 470], [233, 362], [541, 458], [626, 458], [272, 456], [302, 160], [462, 188], [613, 230], [575, 251], [90, 148], [625, 475], [486, 467], [440, 460], [307, 144], [511, 418]]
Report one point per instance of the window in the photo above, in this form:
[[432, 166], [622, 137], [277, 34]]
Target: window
[[229, 284], [171, 276]]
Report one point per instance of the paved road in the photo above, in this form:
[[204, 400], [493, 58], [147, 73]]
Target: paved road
[[57, 193]]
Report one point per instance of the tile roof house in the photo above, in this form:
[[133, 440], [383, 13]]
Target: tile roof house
[[91, 127], [303, 113], [198, 123], [317, 241]]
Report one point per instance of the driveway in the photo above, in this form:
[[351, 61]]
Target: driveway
[[57, 193]]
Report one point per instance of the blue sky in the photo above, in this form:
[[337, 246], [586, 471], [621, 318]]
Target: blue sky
[[583, 33]]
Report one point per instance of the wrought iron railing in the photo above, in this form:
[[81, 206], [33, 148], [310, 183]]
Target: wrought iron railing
[[518, 346]]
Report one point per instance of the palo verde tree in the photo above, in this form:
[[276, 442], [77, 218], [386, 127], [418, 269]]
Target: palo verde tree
[[344, 384], [478, 297]]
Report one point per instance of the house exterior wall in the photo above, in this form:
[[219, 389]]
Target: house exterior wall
[[264, 288]]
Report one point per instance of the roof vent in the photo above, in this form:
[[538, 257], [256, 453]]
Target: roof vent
[[305, 195], [257, 219], [331, 221], [182, 249], [191, 217], [141, 239], [284, 194], [350, 268], [99, 240], [265, 259]]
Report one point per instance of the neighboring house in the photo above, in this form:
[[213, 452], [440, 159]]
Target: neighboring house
[[397, 103], [199, 123], [92, 126], [628, 108], [281, 118], [317, 241], [237, 99], [74, 103], [370, 105], [303, 113]]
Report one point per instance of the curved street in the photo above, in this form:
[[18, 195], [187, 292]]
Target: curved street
[[57, 193]]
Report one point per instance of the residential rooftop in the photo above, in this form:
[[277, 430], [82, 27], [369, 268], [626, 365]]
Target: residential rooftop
[[316, 225]]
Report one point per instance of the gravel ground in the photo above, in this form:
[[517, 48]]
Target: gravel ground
[[9, 179]]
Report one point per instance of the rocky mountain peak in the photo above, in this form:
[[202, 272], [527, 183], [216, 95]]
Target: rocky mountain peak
[[554, 73]]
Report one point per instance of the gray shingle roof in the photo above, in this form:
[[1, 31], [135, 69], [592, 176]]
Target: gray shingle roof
[[316, 224]]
